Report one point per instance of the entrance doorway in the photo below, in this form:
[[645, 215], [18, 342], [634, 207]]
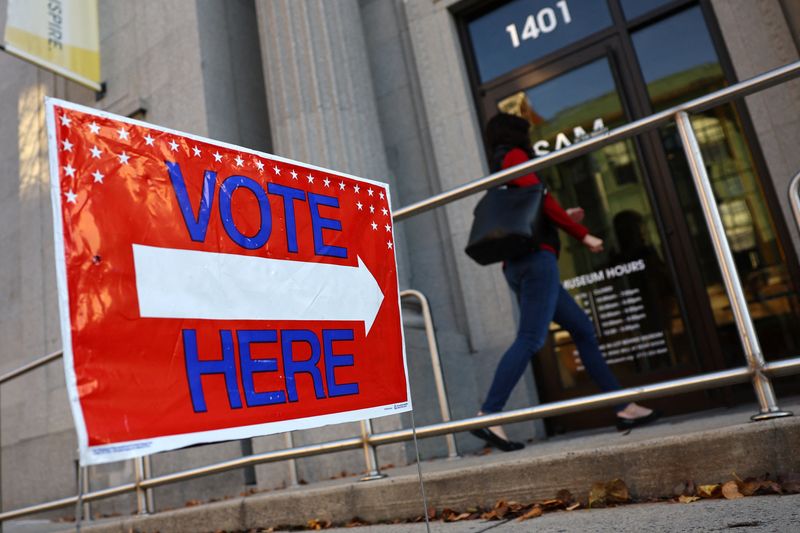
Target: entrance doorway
[[655, 295]]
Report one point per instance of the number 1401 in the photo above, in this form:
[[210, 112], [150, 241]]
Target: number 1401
[[544, 21]]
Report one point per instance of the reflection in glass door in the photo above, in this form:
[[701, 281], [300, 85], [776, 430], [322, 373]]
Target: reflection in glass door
[[627, 290], [674, 74]]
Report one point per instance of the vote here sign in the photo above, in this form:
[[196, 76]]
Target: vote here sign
[[210, 292]]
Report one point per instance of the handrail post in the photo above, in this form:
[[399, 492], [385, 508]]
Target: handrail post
[[141, 495], [794, 197], [292, 463], [744, 322], [370, 453], [436, 364]]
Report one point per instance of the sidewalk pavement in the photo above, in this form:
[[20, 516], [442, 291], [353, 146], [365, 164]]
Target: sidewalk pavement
[[706, 447]]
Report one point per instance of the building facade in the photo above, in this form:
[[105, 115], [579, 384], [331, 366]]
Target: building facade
[[399, 91]]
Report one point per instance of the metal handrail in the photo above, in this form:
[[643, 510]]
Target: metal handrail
[[656, 390], [794, 197], [737, 90], [30, 366], [757, 369]]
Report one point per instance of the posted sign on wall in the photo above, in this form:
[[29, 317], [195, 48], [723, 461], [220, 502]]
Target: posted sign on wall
[[209, 292]]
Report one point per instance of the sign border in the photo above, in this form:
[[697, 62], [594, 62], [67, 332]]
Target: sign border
[[89, 455]]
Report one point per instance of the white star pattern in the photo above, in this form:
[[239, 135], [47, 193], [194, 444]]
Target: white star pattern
[[372, 209], [360, 206], [374, 226], [96, 152], [310, 178], [384, 211], [381, 195], [259, 165], [239, 160], [66, 145], [341, 185], [327, 182], [277, 170], [69, 170], [173, 145], [196, 151], [123, 135], [388, 227], [356, 188], [217, 156], [66, 121], [94, 128], [123, 158], [71, 197], [148, 140], [98, 176], [294, 174], [370, 191], [389, 244]]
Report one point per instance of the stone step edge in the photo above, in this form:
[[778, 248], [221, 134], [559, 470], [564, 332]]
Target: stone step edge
[[649, 467]]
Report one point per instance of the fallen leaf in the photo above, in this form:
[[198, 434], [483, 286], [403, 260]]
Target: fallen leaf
[[597, 495], [535, 512], [192, 503], [552, 504], [709, 491], [565, 496], [749, 486], [790, 484], [617, 491], [317, 524], [730, 491], [769, 487], [574, 506], [688, 499]]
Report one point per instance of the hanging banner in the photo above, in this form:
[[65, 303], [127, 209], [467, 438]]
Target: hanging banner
[[209, 292], [59, 35]]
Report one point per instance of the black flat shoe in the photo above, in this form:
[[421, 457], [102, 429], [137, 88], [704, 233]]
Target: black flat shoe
[[625, 424], [492, 439]]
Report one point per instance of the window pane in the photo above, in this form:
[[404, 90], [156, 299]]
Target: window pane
[[688, 68], [634, 8], [522, 31]]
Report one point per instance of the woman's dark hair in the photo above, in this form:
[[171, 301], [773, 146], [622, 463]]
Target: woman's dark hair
[[508, 130]]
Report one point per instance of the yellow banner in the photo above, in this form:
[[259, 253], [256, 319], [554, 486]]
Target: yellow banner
[[60, 35]]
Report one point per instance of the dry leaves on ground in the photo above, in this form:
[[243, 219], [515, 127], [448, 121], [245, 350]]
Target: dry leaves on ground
[[610, 493], [735, 489]]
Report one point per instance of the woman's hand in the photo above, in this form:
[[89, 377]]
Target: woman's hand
[[576, 214], [594, 244]]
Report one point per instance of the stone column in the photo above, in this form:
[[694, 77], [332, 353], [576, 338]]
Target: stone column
[[322, 111]]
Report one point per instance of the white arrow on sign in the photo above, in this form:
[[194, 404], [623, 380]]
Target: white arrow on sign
[[175, 283]]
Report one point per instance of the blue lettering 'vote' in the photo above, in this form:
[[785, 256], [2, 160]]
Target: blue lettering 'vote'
[[320, 359], [196, 221]]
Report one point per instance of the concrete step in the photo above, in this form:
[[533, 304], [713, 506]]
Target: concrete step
[[706, 447]]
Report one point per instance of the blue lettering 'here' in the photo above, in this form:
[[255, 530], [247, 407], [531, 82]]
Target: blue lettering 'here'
[[333, 361], [291, 367], [251, 366], [196, 368]]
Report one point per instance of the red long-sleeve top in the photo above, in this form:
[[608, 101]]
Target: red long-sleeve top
[[552, 209]]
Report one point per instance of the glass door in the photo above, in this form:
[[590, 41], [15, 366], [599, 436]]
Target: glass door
[[629, 291]]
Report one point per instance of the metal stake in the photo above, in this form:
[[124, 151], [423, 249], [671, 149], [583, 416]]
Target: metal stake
[[744, 322], [370, 454]]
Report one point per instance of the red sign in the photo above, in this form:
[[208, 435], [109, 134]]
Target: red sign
[[210, 292]]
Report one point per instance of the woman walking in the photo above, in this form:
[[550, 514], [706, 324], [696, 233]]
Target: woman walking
[[534, 278]]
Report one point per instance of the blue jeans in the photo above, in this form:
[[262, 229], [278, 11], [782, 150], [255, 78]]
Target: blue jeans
[[534, 279]]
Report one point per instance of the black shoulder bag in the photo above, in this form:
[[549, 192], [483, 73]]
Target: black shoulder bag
[[505, 224]]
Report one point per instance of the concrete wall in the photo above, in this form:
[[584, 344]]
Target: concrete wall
[[758, 38]]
